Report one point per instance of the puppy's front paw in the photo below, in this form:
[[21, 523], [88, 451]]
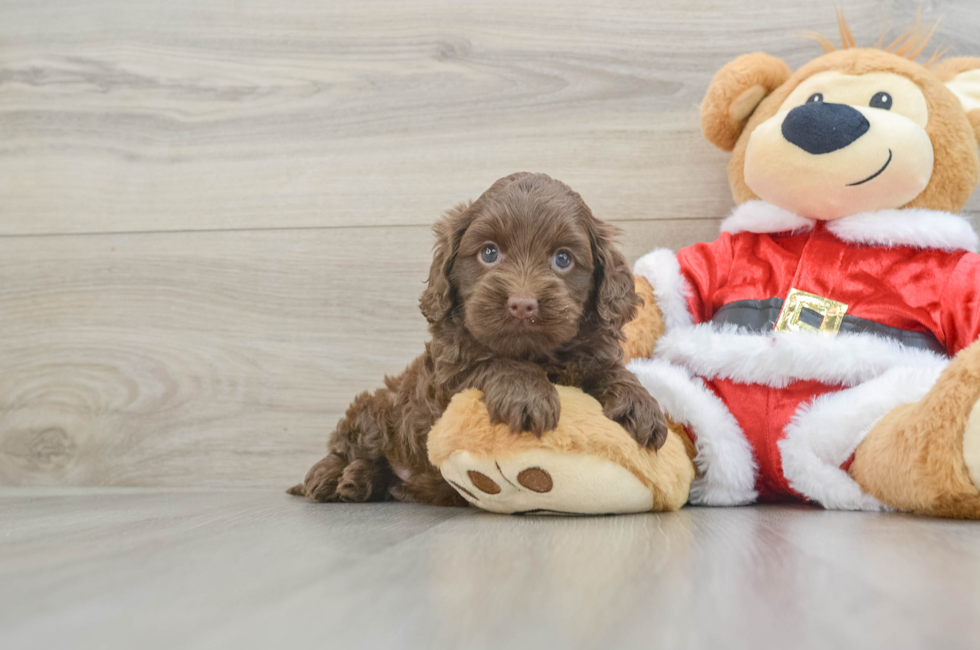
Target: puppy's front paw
[[636, 411], [524, 408]]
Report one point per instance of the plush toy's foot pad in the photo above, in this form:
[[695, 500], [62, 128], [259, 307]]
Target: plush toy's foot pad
[[546, 482], [971, 444], [588, 465]]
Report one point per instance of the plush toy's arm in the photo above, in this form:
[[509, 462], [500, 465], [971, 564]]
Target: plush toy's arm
[[961, 304], [646, 327], [677, 291]]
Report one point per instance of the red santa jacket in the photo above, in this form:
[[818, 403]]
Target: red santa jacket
[[877, 264], [901, 271]]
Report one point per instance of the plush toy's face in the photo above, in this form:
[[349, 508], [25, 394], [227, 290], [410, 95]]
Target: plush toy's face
[[842, 144], [852, 131]]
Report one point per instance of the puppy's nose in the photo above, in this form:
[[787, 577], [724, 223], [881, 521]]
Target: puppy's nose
[[522, 308], [822, 127]]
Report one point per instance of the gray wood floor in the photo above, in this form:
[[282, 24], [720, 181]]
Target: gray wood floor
[[155, 568]]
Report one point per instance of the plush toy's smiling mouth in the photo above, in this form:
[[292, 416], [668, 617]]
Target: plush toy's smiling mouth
[[876, 174]]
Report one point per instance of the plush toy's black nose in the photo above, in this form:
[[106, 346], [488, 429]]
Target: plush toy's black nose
[[821, 127]]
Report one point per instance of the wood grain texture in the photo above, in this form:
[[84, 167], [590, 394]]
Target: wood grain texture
[[258, 569], [181, 115], [207, 358], [214, 216]]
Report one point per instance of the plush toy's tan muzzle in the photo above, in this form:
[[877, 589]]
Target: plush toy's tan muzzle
[[826, 161]]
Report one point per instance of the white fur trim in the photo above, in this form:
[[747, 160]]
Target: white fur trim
[[915, 227], [726, 466], [761, 217], [662, 270], [909, 227], [779, 358], [825, 432]]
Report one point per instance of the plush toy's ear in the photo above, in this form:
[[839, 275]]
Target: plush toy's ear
[[962, 76], [734, 94]]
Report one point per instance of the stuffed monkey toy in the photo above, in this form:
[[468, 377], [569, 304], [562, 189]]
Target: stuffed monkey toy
[[825, 347]]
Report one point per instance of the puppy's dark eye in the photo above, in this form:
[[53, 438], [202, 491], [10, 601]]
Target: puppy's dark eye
[[881, 100], [489, 254], [562, 261], [815, 97]]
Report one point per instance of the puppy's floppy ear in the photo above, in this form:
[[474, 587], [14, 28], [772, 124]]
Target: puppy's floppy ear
[[734, 94], [439, 298], [962, 76], [615, 295]]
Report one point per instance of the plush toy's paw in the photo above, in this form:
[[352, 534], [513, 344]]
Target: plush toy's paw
[[532, 407], [971, 444], [542, 481], [637, 412], [587, 465]]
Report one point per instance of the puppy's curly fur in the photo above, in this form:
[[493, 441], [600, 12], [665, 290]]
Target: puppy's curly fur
[[526, 290]]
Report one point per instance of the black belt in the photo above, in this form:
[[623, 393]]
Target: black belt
[[761, 316]]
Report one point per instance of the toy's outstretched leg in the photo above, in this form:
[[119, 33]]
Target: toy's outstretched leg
[[925, 457], [587, 465]]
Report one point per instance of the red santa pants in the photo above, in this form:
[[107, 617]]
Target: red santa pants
[[763, 413]]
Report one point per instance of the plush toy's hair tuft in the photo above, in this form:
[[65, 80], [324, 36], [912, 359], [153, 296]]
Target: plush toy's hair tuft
[[909, 43], [912, 41], [846, 37], [937, 55], [825, 43]]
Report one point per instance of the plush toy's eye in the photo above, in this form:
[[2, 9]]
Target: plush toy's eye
[[815, 97], [881, 100], [562, 261], [490, 254]]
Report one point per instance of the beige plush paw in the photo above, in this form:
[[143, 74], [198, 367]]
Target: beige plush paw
[[587, 465], [541, 481]]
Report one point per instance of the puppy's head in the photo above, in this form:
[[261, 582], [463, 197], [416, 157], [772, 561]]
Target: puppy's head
[[525, 266]]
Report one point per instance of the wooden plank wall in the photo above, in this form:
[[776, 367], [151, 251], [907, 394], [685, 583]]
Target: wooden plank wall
[[214, 215]]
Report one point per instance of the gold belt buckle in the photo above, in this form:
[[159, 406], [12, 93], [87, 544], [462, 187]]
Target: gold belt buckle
[[808, 312]]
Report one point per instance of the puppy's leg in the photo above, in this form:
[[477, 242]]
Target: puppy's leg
[[625, 401], [518, 394], [355, 468]]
